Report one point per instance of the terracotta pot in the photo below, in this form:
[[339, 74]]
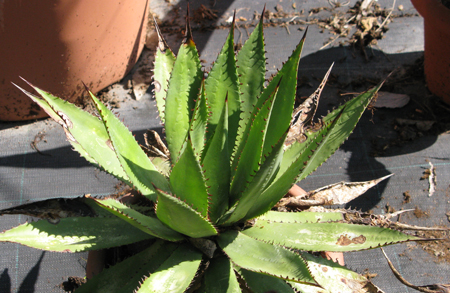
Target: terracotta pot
[[437, 46], [58, 44]]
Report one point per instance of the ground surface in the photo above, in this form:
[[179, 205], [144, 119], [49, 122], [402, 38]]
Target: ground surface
[[37, 163]]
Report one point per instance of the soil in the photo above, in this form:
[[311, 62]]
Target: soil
[[389, 209], [72, 284], [439, 249], [420, 214], [406, 197]]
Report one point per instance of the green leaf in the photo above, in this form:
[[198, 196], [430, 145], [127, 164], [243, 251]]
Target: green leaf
[[326, 236], [164, 60], [331, 276], [248, 156], [258, 183], [147, 224], [319, 146], [75, 234], [283, 182], [258, 256], [184, 87], [135, 162], [85, 132], [187, 181], [220, 277], [344, 120], [260, 283], [286, 82], [222, 84], [127, 275], [175, 274], [301, 217], [197, 129], [182, 218], [216, 165], [251, 69]]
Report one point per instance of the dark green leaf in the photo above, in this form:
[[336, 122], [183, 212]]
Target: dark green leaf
[[216, 165], [251, 69], [220, 85], [258, 256], [183, 90], [286, 82], [127, 275], [248, 156], [261, 283], [148, 224], [175, 274], [187, 181], [220, 277], [181, 217]]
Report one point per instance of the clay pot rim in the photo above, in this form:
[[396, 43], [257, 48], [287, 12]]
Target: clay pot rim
[[433, 10]]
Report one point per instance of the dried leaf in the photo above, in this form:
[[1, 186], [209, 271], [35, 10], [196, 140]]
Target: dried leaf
[[338, 193], [369, 22], [421, 125], [304, 114], [155, 146], [391, 100]]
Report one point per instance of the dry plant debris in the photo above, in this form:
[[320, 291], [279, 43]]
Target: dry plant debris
[[439, 249], [362, 24], [203, 13], [430, 174], [338, 193], [435, 288], [391, 100], [37, 139]]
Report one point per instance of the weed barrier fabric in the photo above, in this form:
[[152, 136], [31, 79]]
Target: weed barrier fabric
[[36, 161]]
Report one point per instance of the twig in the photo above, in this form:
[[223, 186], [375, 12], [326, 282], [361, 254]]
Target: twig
[[440, 288], [286, 25], [332, 41], [387, 17], [292, 19], [350, 19]]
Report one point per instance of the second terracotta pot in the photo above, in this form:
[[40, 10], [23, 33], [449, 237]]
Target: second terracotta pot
[[437, 46], [58, 44]]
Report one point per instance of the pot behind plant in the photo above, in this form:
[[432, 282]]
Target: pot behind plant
[[437, 46], [58, 44]]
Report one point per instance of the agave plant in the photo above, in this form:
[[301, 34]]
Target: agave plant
[[235, 146]]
